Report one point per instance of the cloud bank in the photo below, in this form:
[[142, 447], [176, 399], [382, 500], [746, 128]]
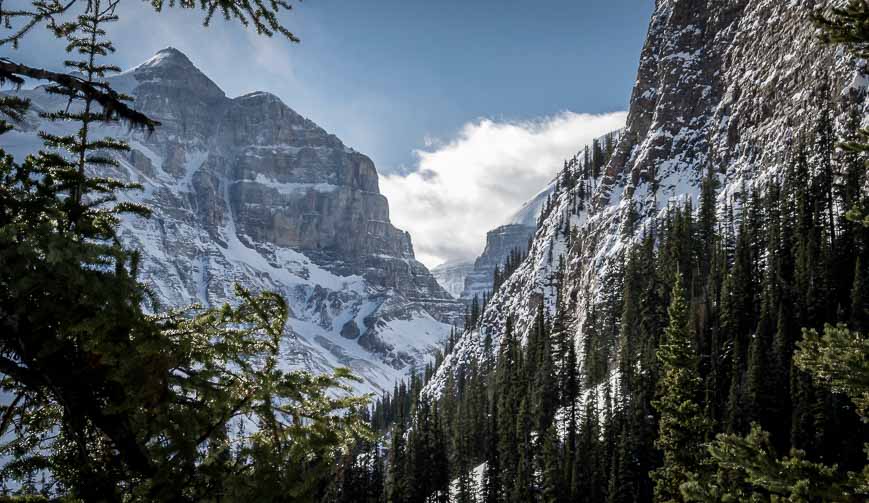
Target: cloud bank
[[466, 186]]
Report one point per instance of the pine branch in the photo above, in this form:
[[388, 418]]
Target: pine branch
[[10, 411], [14, 108], [44, 11], [847, 25], [108, 99], [262, 14]]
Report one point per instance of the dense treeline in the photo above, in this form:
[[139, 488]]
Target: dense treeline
[[512, 262], [712, 340], [740, 286]]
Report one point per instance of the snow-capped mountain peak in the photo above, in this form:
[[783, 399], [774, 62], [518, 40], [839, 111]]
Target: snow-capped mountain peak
[[248, 191]]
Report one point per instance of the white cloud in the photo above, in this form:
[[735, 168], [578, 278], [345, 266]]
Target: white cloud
[[467, 186]]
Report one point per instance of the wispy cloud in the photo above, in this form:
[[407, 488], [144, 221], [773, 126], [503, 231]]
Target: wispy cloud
[[466, 186]]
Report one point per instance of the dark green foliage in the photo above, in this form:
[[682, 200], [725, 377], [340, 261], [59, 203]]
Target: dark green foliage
[[848, 26], [749, 470], [108, 401], [682, 423], [12, 108], [552, 483], [838, 358], [715, 399]]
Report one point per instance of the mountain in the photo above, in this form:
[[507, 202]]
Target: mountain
[[451, 276], [515, 234], [464, 280], [729, 85], [528, 214], [245, 190], [500, 242]]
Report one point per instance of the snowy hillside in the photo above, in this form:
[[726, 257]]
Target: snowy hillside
[[729, 85], [514, 234], [530, 211], [245, 190]]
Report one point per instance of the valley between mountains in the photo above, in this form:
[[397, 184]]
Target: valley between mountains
[[678, 315]]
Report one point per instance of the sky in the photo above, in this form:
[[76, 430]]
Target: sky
[[502, 90]]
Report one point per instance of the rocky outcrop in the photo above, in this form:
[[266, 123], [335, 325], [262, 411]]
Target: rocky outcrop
[[728, 85], [289, 183], [500, 242], [466, 280], [245, 190]]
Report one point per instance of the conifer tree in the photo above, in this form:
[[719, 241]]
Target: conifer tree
[[552, 487], [588, 478], [544, 386], [759, 396], [682, 423], [707, 221], [508, 395], [492, 489], [524, 453], [570, 395], [397, 487], [859, 319], [597, 160], [824, 146], [847, 26]]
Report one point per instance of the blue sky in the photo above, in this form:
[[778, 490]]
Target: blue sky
[[398, 80], [384, 75]]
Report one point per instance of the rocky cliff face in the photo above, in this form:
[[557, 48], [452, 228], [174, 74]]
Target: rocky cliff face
[[500, 242], [451, 276], [464, 280], [245, 190], [726, 84]]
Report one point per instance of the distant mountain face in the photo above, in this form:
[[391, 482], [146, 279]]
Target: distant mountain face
[[465, 280], [451, 276], [245, 190], [730, 85], [515, 234], [500, 242], [529, 213]]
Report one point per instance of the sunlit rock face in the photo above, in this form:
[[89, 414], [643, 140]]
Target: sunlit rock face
[[500, 243], [245, 190]]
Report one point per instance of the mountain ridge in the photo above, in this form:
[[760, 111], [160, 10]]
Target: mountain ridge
[[245, 190], [699, 100]]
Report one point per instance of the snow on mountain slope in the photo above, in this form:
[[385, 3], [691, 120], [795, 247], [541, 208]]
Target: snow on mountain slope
[[530, 211], [247, 191], [729, 84], [451, 276], [514, 234]]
